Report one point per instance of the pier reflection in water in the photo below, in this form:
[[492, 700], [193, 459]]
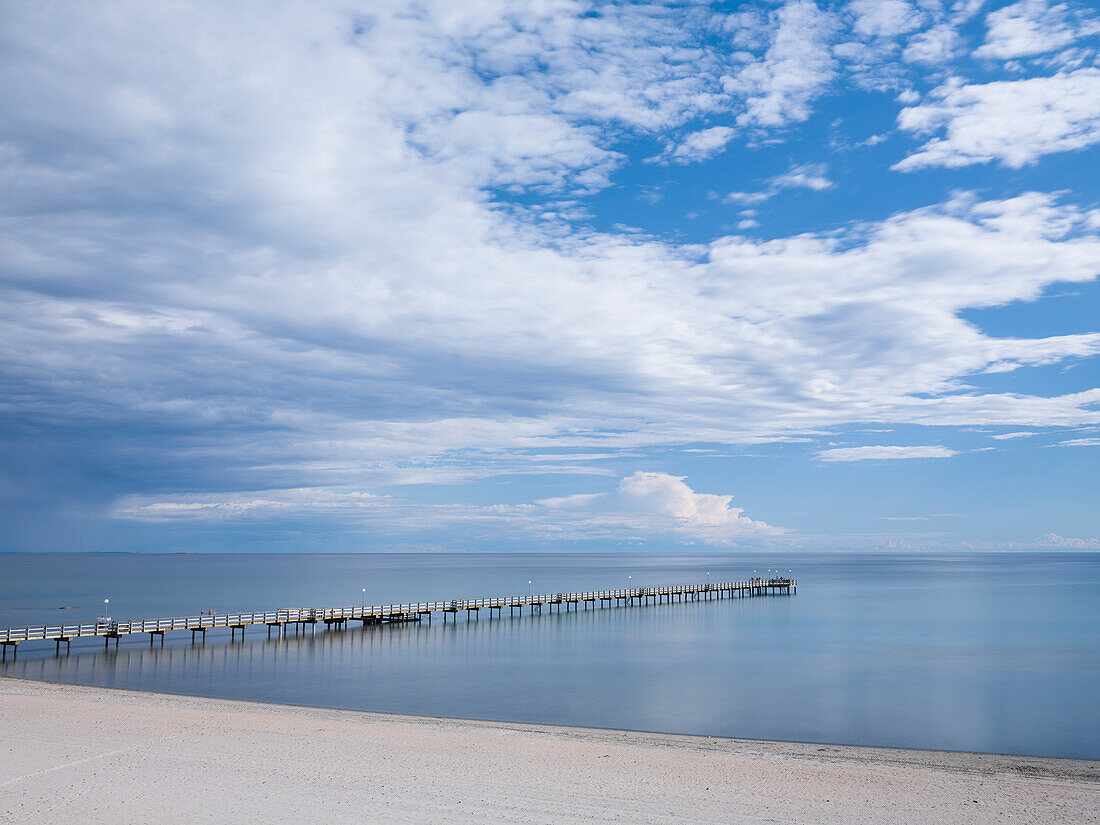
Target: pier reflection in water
[[555, 669]]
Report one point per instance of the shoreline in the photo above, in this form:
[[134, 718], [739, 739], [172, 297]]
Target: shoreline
[[90, 754], [980, 761]]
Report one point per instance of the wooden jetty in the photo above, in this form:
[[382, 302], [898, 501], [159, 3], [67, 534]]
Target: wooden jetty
[[303, 618]]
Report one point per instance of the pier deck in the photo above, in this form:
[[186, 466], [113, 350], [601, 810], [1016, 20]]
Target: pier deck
[[389, 613]]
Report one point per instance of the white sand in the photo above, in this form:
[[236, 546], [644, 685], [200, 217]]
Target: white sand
[[88, 755]]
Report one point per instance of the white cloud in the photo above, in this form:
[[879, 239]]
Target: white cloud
[[1079, 442], [1007, 436], [662, 501], [281, 267], [937, 46], [698, 146], [265, 504], [941, 43], [873, 140], [1054, 541], [798, 65], [884, 18], [804, 176], [751, 197], [793, 334], [880, 453], [1029, 28], [643, 504], [812, 176], [1013, 122]]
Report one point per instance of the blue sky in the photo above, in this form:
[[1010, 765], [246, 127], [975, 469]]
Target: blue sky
[[552, 275]]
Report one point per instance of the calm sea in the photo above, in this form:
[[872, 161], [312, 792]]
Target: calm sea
[[977, 652]]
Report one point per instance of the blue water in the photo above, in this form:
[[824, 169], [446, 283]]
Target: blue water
[[977, 652]]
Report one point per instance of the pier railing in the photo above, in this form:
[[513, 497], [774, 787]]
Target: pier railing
[[403, 611]]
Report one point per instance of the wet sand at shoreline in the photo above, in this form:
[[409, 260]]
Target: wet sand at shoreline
[[94, 755]]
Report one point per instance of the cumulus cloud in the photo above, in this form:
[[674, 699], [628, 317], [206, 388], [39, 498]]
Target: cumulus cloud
[[884, 18], [941, 43], [1057, 542], [1009, 436], [1014, 122], [660, 500], [643, 504], [937, 46], [1033, 27], [879, 453], [796, 68], [698, 146]]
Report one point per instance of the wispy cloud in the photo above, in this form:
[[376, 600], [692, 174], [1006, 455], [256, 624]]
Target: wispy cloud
[[812, 176], [265, 504], [1078, 442], [885, 453]]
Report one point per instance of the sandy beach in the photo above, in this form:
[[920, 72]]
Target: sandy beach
[[91, 755]]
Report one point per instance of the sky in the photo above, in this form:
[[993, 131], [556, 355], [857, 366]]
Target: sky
[[549, 275]]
